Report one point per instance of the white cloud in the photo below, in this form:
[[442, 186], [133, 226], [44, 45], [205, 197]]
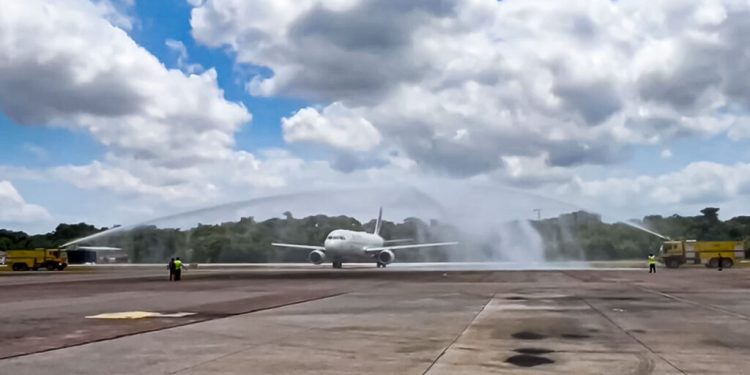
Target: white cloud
[[116, 11], [533, 171], [196, 3], [700, 183], [63, 64], [740, 130], [14, 209], [182, 57], [336, 125], [576, 82], [536, 94]]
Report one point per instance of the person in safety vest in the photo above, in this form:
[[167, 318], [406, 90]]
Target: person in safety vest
[[170, 267], [651, 263], [177, 269]]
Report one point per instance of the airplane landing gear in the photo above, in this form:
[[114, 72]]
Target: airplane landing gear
[[337, 263], [380, 264]]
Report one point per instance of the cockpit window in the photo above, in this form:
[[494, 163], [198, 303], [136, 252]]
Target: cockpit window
[[336, 238]]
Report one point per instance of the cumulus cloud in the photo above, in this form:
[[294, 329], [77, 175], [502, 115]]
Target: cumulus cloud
[[237, 175], [533, 171], [577, 82], [62, 63], [179, 48], [536, 94], [336, 125], [68, 63], [698, 183], [14, 209], [118, 12]]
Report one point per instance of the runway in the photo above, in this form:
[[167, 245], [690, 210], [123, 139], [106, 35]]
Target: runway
[[412, 320]]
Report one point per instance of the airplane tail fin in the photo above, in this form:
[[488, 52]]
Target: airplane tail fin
[[377, 223]]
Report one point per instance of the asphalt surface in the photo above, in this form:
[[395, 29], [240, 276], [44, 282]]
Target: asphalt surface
[[363, 320]]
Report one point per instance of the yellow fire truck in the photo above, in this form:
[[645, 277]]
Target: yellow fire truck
[[675, 253], [24, 260]]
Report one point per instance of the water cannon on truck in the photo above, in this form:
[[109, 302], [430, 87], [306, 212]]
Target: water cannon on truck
[[676, 253], [24, 260]]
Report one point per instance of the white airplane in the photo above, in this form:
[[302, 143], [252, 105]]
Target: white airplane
[[342, 244]]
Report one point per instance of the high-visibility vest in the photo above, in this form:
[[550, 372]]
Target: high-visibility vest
[[651, 260], [178, 264]]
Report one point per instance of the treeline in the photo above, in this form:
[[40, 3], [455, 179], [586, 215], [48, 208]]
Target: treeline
[[248, 240], [582, 235], [64, 233], [574, 236]]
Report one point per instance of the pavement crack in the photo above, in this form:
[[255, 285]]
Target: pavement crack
[[455, 339], [707, 306]]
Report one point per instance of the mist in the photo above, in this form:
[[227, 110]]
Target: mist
[[494, 226]]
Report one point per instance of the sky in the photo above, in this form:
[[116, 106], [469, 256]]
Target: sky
[[119, 111]]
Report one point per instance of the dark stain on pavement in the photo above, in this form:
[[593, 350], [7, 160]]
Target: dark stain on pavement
[[525, 360], [574, 336], [528, 335]]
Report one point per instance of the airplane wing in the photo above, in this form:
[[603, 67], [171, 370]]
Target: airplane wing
[[400, 247], [397, 241], [308, 247]]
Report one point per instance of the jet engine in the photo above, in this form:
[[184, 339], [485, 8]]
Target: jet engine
[[317, 257], [386, 257]]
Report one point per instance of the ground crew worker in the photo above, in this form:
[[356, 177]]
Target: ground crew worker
[[170, 266], [651, 263], [177, 269], [721, 261]]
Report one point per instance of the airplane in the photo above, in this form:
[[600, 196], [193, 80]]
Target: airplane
[[342, 244]]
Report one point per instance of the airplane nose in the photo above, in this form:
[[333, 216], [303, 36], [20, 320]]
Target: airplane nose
[[333, 245]]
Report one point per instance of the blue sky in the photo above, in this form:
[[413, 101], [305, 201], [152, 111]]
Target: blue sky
[[620, 115], [159, 21]]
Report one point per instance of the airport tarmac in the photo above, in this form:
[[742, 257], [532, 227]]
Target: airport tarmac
[[411, 320]]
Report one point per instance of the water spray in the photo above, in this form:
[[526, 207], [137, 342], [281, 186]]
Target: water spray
[[634, 225], [482, 218]]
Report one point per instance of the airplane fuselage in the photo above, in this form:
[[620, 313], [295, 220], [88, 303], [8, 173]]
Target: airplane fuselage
[[348, 243]]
